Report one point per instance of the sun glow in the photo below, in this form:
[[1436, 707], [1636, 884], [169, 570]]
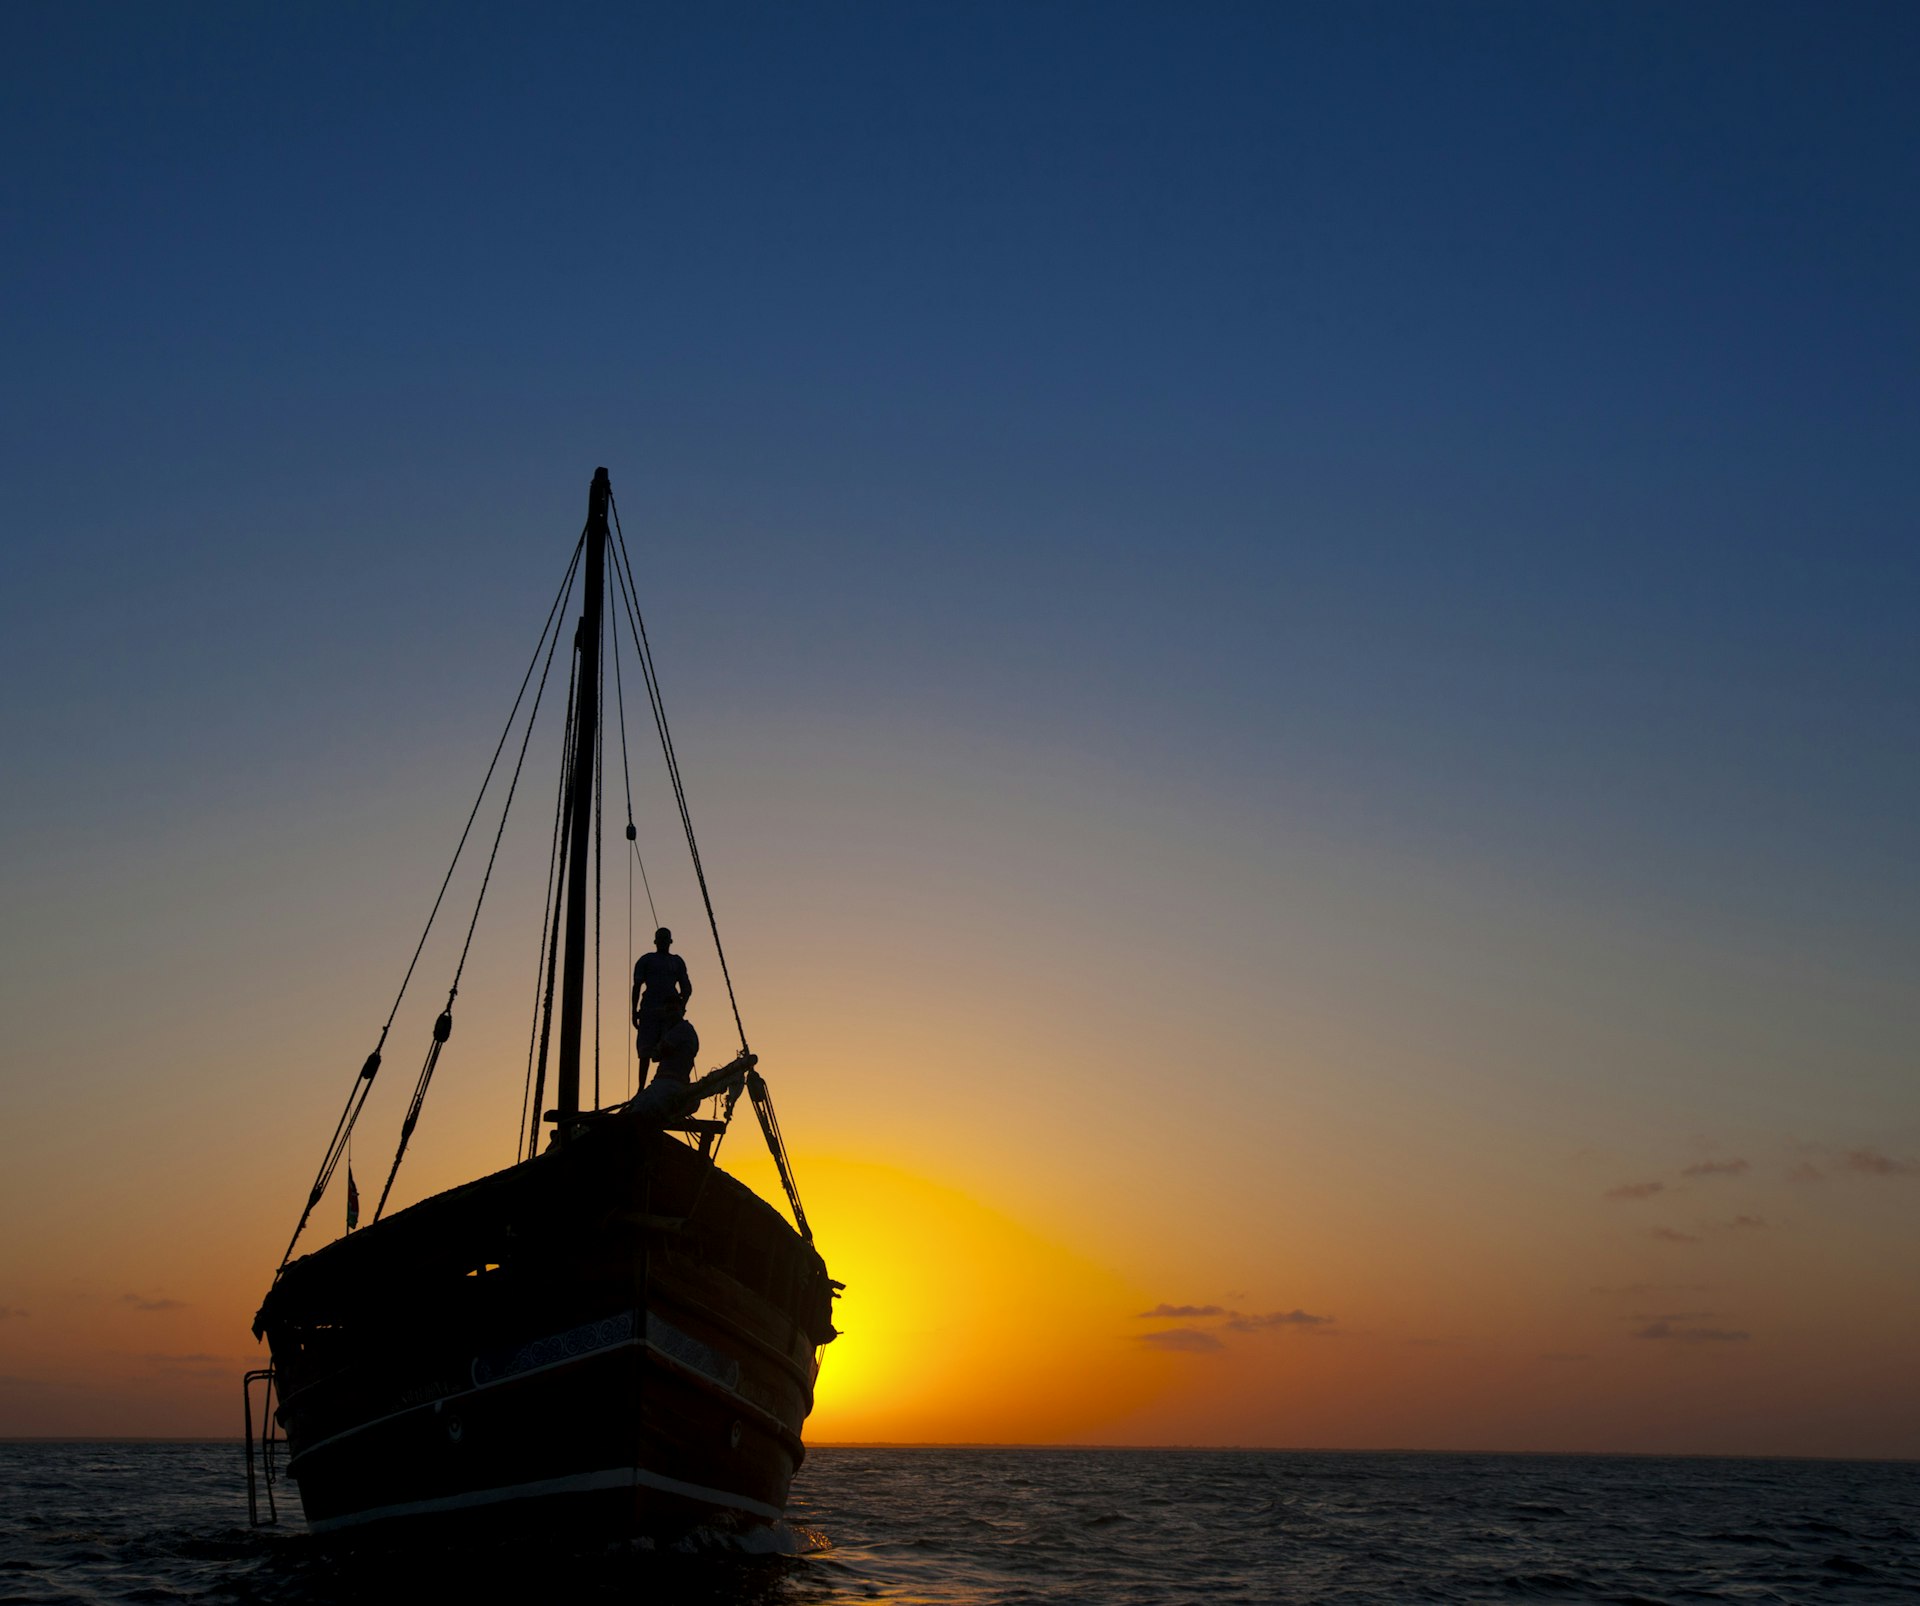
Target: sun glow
[[958, 1324]]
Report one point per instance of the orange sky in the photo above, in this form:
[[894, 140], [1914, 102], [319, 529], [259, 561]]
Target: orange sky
[[1338, 1140]]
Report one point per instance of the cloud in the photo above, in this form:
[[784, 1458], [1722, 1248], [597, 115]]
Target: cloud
[[1668, 1235], [1748, 1222], [1635, 1190], [1867, 1160], [1181, 1341], [8, 1312], [1673, 1315], [1275, 1318], [1565, 1355], [1692, 1335], [1233, 1321], [1716, 1168], [1876, 1164], [152, 1304]]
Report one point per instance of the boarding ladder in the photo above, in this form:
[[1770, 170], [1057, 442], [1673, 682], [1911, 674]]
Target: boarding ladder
[[260, 1457]]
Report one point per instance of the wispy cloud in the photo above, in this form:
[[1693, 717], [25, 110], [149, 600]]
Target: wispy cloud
[[1565, 1355], [1875, 1164], [1866, 1161], [1674, 1315], [1233, 1321], [1716, 1168], [1276, 1318], [9, 1312], [1181, 1341], [1672, 1235], [1692, 1335], [1635, 1190], [152, 1304], [1749, 1223]]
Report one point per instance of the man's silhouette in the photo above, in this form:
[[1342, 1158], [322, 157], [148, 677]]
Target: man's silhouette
[[670, 1095], [679, 1043], [661, 988]]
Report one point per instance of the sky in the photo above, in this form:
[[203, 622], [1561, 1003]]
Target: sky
[[1289, 628]]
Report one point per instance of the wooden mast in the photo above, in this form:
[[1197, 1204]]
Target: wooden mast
[[586, 742]]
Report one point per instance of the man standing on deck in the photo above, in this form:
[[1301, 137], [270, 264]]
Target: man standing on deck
[[661, 988]]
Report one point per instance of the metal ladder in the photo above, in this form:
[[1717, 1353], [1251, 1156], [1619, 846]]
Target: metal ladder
[[263, 1471]]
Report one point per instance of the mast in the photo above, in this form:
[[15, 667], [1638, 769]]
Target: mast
[[586, 739]]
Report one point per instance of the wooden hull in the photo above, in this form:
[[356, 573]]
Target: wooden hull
[[613, 1340]]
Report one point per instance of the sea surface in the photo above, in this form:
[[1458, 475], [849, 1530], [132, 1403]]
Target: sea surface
[[168, 1523]]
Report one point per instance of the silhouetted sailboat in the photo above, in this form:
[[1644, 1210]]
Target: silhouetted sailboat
[[612, 1337]]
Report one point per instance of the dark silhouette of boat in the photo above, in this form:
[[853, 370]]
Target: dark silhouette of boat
[[610, 1338]]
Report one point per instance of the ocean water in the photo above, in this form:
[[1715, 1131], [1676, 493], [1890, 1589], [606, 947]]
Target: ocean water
[[167, 1523]]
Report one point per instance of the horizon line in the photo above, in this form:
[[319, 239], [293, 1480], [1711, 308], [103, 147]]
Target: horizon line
[[1078, 1448]]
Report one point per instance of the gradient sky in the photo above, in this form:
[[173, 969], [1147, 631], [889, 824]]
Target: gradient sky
[[1291, 629]]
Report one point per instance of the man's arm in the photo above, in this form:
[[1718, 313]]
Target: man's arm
[[685, 984]]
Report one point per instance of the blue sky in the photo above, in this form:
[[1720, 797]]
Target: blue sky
[[1499, 330], [1497, 414]]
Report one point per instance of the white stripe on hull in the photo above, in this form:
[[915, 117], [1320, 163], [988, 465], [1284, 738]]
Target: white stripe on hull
[[576, 1483], [684, 1353]]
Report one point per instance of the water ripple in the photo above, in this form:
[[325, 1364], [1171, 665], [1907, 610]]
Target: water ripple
[[119, 1524]]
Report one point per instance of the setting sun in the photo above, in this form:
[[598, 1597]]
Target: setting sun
[[959, 1325]]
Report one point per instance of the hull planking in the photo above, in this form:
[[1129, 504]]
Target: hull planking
[[614, 1339]]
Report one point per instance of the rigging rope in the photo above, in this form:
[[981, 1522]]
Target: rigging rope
[[560, 845], [443, 1027], [550, 938], [540, 954], [630, 594], [633, 1043], [777, 1145], [626, 772], [633, 849], [363, 1083], [599, 856]]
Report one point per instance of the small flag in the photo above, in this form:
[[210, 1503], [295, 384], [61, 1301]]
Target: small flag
[[353, 1200]]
